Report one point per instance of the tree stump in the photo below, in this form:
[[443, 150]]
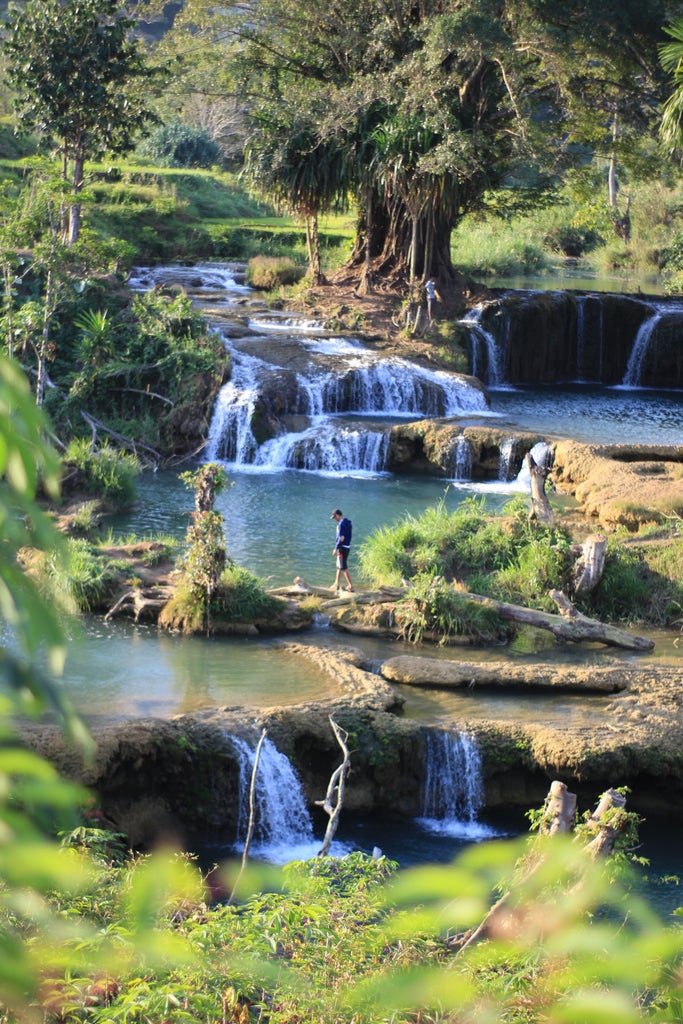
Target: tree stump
[[590, 565], [540, 506]]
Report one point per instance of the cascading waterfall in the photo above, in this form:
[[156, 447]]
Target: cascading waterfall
[[328, 448], [493, 376], [203, 276], [283, 827], [453, 789], [505, 460], [231, 438], [360, 383], [580, 335]]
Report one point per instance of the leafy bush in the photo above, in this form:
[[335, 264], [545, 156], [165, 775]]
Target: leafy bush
[[181, 145]]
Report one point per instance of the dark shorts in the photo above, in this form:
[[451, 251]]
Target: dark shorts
[[342, 557]]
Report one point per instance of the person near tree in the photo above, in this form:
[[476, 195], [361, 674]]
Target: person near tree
[[432, 297], [342, 547]]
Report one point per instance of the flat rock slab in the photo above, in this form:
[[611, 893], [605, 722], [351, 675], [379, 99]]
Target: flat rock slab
[[436, 672]]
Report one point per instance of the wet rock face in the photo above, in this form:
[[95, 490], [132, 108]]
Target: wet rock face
[[552, 337]]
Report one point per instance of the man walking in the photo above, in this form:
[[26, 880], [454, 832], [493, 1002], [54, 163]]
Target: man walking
[[342, 547]]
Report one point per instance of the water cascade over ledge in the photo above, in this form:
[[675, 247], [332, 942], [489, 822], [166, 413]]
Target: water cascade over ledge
[[323, 404], [283, 827], [453, 792]]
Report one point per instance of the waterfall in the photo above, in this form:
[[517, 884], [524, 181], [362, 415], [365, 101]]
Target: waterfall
[[462, 459], [479, 335], [580, 335], [230, 435], [641, 343], [283, 827], [540, 453], [505, 460], [453, 790]]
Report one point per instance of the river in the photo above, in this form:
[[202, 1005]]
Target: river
[[277, 524]]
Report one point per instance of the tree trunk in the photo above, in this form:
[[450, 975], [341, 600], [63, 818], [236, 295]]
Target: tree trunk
[[560, 810], [603, 844], [313, 239], [48, 309], [365, 285], [75, 209]]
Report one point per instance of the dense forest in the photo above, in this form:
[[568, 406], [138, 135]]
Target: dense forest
[[133, 132]]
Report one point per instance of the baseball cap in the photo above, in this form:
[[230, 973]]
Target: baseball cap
[[337, 512]]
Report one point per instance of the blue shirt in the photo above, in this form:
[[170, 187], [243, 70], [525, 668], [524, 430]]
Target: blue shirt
[[344, 533]]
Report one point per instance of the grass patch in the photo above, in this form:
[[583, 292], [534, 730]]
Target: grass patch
[[435, 609], [240, 597], [268, 272], [80, 575], [106, 472]]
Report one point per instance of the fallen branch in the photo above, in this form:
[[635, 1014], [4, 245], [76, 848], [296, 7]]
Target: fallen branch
[[252, 814], [334, 798], [123, 442], [570, 625]]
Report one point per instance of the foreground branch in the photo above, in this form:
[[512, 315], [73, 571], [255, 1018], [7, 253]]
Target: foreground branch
[[250, 826]]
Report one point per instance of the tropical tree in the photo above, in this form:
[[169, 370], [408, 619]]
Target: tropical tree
[[81, 83], [288, 161], [671, 56]]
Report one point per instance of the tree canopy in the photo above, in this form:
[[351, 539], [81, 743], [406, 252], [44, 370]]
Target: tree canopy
[[416, 110]]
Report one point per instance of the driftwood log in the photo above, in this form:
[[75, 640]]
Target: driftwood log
[[590, 565], [141, 603], [570, 624]]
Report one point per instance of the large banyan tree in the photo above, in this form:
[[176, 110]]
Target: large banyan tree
[[414, 110]]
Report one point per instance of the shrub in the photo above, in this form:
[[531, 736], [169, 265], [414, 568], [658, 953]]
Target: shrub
[[181, 145]]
